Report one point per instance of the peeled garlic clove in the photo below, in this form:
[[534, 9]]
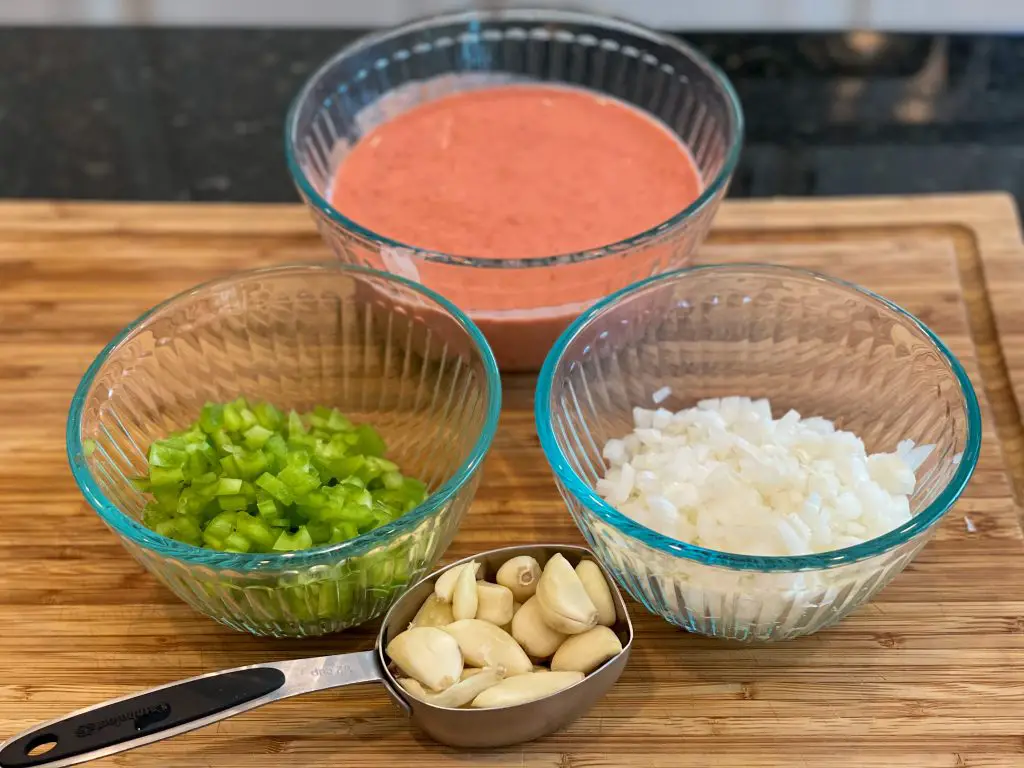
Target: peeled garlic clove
[[529, 630], [434, 612], [598, 590], [515, 609], [520, 574], [413, 688], [564, 603], [469, 672], [459, 694], [537, 668], [524, 688], [586, 652], [464, 691], [429, 655], [444, 587], [494, 603], [464, 597], [485, 645]]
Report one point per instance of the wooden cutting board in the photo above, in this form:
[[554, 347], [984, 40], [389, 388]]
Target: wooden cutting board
[[930, 674]]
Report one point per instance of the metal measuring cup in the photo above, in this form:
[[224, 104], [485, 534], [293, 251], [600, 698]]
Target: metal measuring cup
[[170, 710]]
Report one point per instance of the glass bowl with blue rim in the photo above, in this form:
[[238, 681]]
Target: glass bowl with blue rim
[[381, 349], [818, 345], [387, 73]]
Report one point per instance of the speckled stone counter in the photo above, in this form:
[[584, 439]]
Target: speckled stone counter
[[178, 114]]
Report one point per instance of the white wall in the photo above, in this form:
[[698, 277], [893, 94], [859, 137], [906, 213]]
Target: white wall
[[892, 15]]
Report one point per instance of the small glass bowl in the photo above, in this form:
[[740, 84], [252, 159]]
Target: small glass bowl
[[805, 341], [378, 347], [385, 74]]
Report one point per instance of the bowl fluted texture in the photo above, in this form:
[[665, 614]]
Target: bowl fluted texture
[[819, 346], [378, 348]]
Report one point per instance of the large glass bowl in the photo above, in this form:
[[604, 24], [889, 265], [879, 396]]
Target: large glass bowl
[[388, 73], [381, 349], [820, 346]]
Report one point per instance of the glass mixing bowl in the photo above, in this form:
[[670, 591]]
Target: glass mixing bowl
[[381, 349], [805, 341], [388, 73]]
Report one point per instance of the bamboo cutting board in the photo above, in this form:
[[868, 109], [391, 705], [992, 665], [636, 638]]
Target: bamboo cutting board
[[930, 674]]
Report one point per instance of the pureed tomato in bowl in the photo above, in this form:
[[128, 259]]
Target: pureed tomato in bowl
[[522, 163]]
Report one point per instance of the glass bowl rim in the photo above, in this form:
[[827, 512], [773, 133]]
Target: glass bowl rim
[[784, 563], [537, 16], [127, 526]]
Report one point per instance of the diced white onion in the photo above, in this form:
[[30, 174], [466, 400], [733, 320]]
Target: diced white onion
[[727, 476]]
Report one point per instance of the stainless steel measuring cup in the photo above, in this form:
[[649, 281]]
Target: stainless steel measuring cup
[[160, 713]]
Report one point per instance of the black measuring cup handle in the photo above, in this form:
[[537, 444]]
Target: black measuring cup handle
[[160, 713]]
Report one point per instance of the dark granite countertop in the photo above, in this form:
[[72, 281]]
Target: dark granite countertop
[[181, 114]]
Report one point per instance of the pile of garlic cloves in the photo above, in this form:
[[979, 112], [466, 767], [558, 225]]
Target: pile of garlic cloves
[[528, 634]]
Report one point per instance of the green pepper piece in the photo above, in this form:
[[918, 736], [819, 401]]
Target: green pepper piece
[[151, 515], [190, 502], [251, 464], [336, 422], [300, 480], [229, 466], [162, 454], [327, 603], [249, 491], [232, 418], [256, 436], [206, 478], [343, 530], [275, 488], [370, 441], [166, 497], [183, 529], [248, 419], [295, 425], [319, 531], [228, 486], [257, 532], [414, 489], [236, 542], [198, 463], [222, 440], [392, 480], [221, 525], [232, 503], [212, 542], [162, 476], [267, 508], [290, 542], [358, 516], [268, 416], [300, 442], [211, 418], [276, 446]]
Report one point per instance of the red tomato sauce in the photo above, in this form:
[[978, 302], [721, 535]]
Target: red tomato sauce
[[518, 171]]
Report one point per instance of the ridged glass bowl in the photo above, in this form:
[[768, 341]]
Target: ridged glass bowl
[[388, 73], [379, 348], [805, 341]]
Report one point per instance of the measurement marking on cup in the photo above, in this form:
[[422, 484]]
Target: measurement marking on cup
[[329, 670]]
